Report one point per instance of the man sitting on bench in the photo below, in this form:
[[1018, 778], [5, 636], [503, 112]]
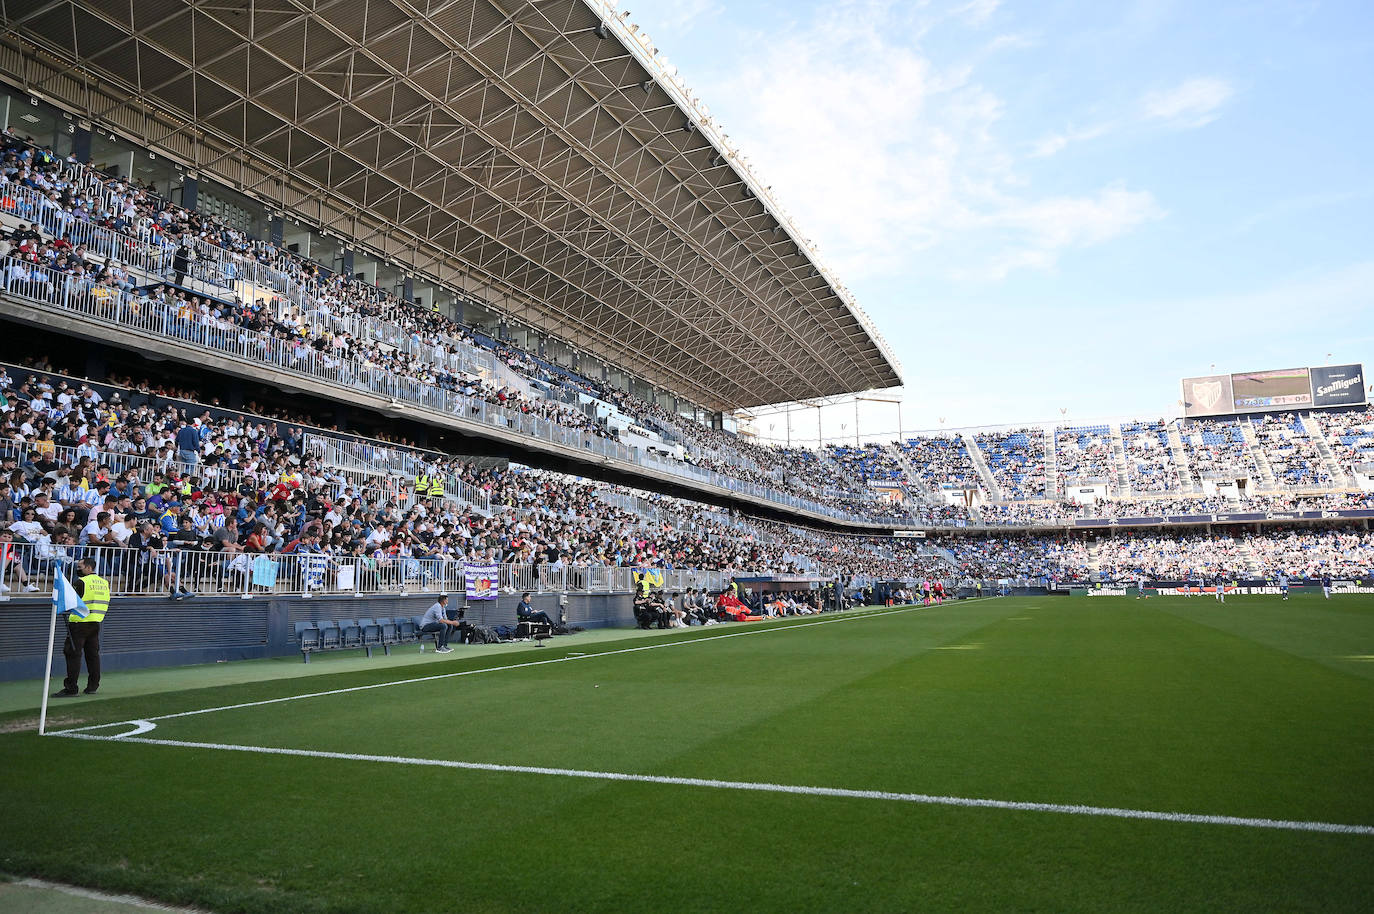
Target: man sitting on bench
[[525, 612], [436, 620]]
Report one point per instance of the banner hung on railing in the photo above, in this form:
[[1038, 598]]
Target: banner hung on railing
[[481, 581], [652, 576], [264, 572]]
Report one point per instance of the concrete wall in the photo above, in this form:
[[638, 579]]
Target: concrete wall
[[154, 631]]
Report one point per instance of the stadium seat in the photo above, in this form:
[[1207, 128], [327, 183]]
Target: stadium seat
[[329, 634], [406, 629], [308, 637], [416, 623], [390, 633], [371, 635], [350, 634]]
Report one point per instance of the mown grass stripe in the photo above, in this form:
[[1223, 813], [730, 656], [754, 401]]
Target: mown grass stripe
[[767, 629], [841, 792]]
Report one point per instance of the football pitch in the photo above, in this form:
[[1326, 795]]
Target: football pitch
[[1034, 754]]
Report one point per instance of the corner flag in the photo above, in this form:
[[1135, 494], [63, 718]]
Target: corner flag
[[65, 600]]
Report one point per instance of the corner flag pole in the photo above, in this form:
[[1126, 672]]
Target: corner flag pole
[[47, 672]]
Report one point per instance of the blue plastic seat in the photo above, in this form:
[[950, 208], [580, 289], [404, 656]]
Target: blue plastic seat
[[308, 637], [329, 634], [350, 634]]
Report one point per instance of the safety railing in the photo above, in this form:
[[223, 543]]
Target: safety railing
[[275, 269], [225, 269], [173, 572], [365, 457], [112, 306]]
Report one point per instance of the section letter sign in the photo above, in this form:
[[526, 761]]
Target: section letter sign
[[1338, 385]]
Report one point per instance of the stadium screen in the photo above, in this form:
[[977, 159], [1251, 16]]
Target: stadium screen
[[1209, 396], [1286, 388]]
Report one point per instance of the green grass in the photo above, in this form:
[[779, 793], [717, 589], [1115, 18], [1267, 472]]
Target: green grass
[[1257, 708]]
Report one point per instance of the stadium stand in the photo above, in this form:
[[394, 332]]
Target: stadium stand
[[1084, 455], [1217, 449], [942, 462], [311, 500], [1017, 461], [1294, 458], [1150, 466]]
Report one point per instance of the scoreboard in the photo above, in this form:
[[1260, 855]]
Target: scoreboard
[[1275, 390]]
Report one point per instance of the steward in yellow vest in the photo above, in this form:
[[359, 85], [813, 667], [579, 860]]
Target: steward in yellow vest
[[83, 633], [421, 485], [436, 487]]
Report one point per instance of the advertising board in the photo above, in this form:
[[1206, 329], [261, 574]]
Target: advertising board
[[1338, 385]]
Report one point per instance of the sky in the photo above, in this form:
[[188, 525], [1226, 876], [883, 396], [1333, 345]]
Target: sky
[[1058, 208]]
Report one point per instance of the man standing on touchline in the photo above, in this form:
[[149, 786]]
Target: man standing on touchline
[[83, 635]]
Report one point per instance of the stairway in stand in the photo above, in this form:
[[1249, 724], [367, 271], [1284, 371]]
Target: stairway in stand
[[1266, 472], [1052, 465], [1180, 455], [1340, 479], [975, 454], [1120, 477]]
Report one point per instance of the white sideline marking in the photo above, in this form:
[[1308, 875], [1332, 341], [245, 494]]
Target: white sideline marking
[[78, 892], [512, 666], [921, 798]]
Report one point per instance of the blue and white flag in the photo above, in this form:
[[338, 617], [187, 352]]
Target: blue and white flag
[[65, 600]]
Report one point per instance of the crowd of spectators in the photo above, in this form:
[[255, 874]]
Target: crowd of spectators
[[354, 328], [942, 462], [1083, 455], [1150, 465], [1016, 460], [137, 472], [1185, 556], [1293, 456], [1217, 448], [1351, 436], [348, 322], [1044, 559]]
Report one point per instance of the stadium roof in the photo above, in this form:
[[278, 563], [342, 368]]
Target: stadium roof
[[538, 148]]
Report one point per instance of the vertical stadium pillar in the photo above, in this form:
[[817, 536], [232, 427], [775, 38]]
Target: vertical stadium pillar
[[81, 144], [190, 192], [409, 289], [95, 362], [347, 267], [275, 229]]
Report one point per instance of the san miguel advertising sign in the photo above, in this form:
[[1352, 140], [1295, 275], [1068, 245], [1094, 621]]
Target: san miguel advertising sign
[[1338, 385]]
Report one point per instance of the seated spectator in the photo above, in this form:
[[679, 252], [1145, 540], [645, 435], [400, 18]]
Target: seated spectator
[[437, 622], [525, 612]]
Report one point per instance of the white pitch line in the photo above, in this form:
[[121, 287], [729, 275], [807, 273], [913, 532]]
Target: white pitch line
[[920, 798], [512, 666]]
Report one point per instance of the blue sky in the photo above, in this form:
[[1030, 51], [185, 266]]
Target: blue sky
[[1060, 205]]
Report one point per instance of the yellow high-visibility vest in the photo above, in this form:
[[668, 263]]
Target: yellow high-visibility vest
[[436, 487], [95, 593], [421, 485]]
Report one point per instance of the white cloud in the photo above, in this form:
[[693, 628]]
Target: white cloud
[[977, 12], [686, 14], [1192, 103], [1057, 142], [894, 163]]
